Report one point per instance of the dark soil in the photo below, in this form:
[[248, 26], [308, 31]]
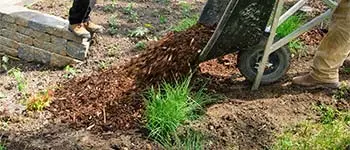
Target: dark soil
[[112, 100]]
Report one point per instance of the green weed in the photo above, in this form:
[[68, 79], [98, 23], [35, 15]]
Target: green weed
[[332, 132], [169, 106], [163, 19], [21, 81], [141, 45], [4, 62], [129, 10], [347, 70], [290, 25], [297, 48], [139, 32], [185, 8], [39, 101], [343, 92], [113, 25], [70, 72], [113, 50], [110, 7], [2, 147], [186, 23], [103, 65], [190, 140]]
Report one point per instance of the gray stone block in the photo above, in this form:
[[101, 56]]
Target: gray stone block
[[9, 51], [8, 26], [42, 56], [75, 50], [26, 52], [8, 18], [58, 41], [61, 61], [41, 36], [7, 33], [9, 42], [23, 38], [58, 49]]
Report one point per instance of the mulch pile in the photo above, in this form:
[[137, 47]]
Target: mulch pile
[[110, 100]]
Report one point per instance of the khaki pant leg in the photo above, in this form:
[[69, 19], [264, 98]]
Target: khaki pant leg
[[335, 47]]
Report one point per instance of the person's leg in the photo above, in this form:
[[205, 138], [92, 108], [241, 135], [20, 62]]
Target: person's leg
[[77, 14], [79, 11], [90, 26], [333, 51]]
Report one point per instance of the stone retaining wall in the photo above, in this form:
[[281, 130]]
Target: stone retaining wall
[[36, 37]]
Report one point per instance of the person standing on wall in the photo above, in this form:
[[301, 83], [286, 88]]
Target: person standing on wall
[[79, 19]]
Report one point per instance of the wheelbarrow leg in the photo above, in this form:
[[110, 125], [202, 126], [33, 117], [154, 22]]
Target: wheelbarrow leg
[[268, 47]]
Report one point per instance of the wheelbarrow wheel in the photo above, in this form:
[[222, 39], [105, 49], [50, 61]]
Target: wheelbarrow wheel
[[277, 66]]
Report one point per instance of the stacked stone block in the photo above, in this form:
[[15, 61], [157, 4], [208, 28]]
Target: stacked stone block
[[36, 37]]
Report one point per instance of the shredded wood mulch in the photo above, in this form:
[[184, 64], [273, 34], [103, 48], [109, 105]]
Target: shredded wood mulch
[[112, 100]]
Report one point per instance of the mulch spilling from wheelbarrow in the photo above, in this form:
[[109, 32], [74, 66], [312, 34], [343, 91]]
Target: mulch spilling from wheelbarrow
[[111, 100]]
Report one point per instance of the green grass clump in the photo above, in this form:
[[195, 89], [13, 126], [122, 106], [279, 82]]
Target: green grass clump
[[169, 107], [186, 23], [290, 25], [331, 132], [2, 147]]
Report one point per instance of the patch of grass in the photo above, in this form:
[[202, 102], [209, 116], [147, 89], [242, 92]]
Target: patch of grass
[[39, 101], [141, 45], [190, 140], [169, 106], [113, 50], [186, 23], [2, 147], [185, 8], [110, 7], [21, 81], [139, 32], [297, 48], [347, 70], [343, 92], [331, 132], [70, 72], [290, 25], [163, 19], [129, 10], [113, 25]]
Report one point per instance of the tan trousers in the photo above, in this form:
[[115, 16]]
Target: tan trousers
[[335, 47]]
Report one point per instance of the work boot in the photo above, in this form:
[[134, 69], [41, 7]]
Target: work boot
[[79, 30], [307, 81], [93, 28]]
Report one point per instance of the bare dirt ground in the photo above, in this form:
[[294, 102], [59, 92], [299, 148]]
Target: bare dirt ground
[[244, 119]]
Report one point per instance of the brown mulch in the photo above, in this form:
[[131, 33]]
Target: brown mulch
[[110, 100], [313, 37]]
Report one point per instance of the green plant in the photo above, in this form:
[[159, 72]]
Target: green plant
[[39, 101], [110, 7], [103, 65], [113, 25], [2, 147], [290, 25], [297, 48], [186, 23], [185, 8], [2, 95], [21, 82], [140, 45], [190, 140], [347, 70], [4, 62], [129, 10], [343, 92], [70, 72], [169, 106], [139, 32], [113, 50], [331, 133], [163, 19]]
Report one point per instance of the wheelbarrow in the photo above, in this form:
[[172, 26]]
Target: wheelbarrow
[[249, 28]]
